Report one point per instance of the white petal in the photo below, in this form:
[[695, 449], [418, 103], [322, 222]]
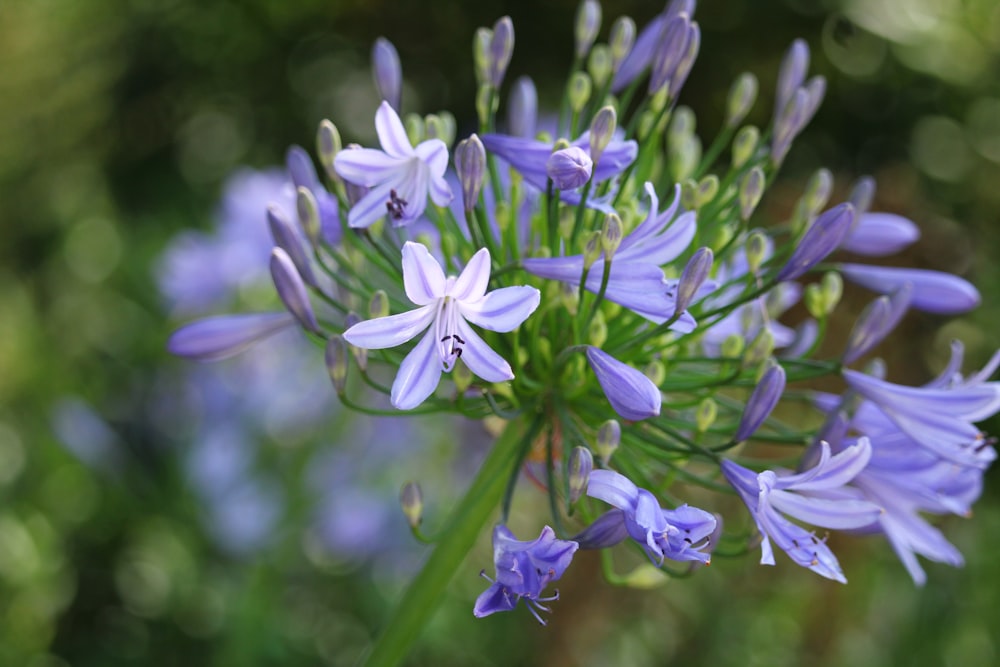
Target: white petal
[[390, 331], [423, 277], [434, 153], [366, 166], [503, 309], [472, 282], [391, 133], [440, 191], [371, 207], [418, 375], [480, 357]]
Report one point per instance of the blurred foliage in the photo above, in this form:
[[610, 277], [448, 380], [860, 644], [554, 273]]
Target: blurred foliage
[[121, 118]]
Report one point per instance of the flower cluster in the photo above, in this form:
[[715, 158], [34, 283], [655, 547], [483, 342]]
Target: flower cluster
[[538, 272]]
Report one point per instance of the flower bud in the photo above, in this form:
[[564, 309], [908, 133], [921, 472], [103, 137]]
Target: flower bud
[[569, 168], [286, 238], [522, 109], [631, 394], [581, 463], [611, 235], [501, 50], [655, 371], [683, 123], [481, 55], [787, 125], [832, 287], [869, 330], [732, 347], [762, 402], [670, 50], [486, 103], [602, 129], [756, 250], [599, 65], [597, 332], [609, 435], [932, 291], [411, 499], [360, 353], [708, 188], [817, 192], [759, 349], [689, 195], [414, 126], [434, 128], [591, 250], [706, 414], [378, 305], [470, 163], [291, 289], [683, 157], [387, 71], [742, 95], [217, 338], [813, 299], [862, 195], [336, 362], [745, 145], [819, 241], [328, 144], [620, 40], [791, 74], [680, 76], [588, 23], [308, 212], [694, 274], [579, 89], [751, 190]]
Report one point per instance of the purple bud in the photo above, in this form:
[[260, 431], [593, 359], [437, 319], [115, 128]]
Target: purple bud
[[388, 72], [791, 74], [336, 362], [876, 322], [742, 95], [569, 168], [291, 289], [820, 240], [216, 338], [787, 123], [301, 168], [631, 394], [522, 110], [687, 61], [609, 436], [669, 51], [750, 191], [862, 194], [581, 462], [501, 49], [286, 238], [470, 163], [694, 274], [588, 22], [933, 291], [815, 92], [765, 396], [411, 499], [602, 130], [880, 234]]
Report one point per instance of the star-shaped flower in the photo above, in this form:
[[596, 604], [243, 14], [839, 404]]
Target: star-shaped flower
[[400, 176], [446, 306]]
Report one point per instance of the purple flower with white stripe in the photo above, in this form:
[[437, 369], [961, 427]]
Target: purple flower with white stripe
[[524, 570], [400, 177], [680, 534], [445, 308]]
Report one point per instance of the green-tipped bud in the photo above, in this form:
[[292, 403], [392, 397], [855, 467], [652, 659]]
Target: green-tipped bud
[[745, 145], [597, 332], [708, 188], [751, 190], [756, 250], [592, 249], [578, 90], [599, 64], [741, 98], [448, 127], [621, 39], [308, 212], [656, 371], [705, 415], [818, 191], [611, 235], [581, 463], [833, 290], [588, 23], [414, 125], [602, 129], [647, 122], [461, 376], [609, 436], [433, 127], [732, 347], [486, 104], [336, 362], [449, 245], [689, 194], [470, 163], [684, 156], [862, 195], [760, 349], [682, 124], [360, 353], [569, 297], [328, 144], [378, 306], [813, 298], [481, 55], [411, 499], [721, 236]]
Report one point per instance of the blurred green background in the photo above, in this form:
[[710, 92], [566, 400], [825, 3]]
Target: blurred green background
[[120, 121]]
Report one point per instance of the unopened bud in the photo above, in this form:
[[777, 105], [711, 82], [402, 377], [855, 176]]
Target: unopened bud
[[581, 463], [708, 188], [862, 195], [387, 71], [682, 124], [833, 289], [470, 163], [501, 50], [655, 371], [597, 332], [741, 98], [670, 49], [706, 414], [578, 90], [602, 129], [336, 362], [762, 402], [609, 436], [328, 144], [687, 61], [569, 168], [434, 127], [694, 274], [750, 192], [820, 240], [378, 306], [732, 347], [414, 126], [756, 250], [818, 190], [481, 55], [360, 353], [287, 238], [592, 249], [522, 109], [486, 103], [745, 145], [611, 235], [308, 212], [621, 39], [760, 348], [411, 499], [599, 65], [588, 23]]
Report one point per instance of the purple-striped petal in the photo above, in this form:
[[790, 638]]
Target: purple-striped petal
[[383, 332], [215, 338], [933, 291], [472, 282], [418, 375], [391, 133], [366, 166], [880, 234], [423, 277], [613, 488], [480, 357], [503, 309]]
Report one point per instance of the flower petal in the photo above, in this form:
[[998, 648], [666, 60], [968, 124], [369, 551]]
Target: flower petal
[[423, 277], [215, 338], [613, 488], [879, 234], [371, 207], [480, 357], [391, 133], [471, 284], [933, 291], [366, 166], [503, 309], [433, 153], [418, 375], [390, 331]]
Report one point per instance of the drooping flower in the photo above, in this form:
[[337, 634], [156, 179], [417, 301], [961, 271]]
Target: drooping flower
[[445, 308], [768, 494], [224, 336], [524, 570], [680, 534], [630, 392], [400, 176]]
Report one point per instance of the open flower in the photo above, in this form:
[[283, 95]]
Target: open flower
[[446, 306], [400, 176]]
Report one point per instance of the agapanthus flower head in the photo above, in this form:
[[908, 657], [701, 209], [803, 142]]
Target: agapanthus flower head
[[524, 570], [445, 306], [400, 177]]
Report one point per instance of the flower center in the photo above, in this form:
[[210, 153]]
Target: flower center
[[449, 344], [396, 206]]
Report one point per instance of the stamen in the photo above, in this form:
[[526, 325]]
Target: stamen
[[396, 206]]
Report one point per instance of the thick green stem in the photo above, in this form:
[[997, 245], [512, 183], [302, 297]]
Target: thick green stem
[[457, 538]]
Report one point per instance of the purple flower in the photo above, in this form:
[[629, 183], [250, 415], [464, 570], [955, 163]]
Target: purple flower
[[291, 290], [636, 280], [762, 401], [569, 168], [400, 176], [879, 234], [630, 392], [303, 173], [446, 306], [215, 338], [523, 570], [820, 240], [387, 72], [875, 323], [646, 45], [933, 291], [809, 496], [680, 534]]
